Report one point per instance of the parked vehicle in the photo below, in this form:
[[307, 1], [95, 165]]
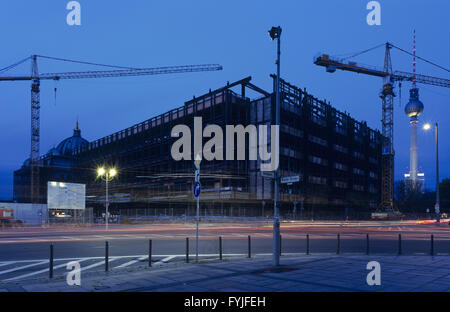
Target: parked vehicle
[[7, 217]]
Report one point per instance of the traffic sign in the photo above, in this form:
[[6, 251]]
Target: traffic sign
[[197, 161], [268, 174], [197, 189], [290, 180], [197, 175]]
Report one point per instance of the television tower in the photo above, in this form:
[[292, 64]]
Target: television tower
[[413, 109]]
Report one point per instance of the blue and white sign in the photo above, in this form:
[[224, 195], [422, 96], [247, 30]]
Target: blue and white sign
[[197, 175], [197, 189]]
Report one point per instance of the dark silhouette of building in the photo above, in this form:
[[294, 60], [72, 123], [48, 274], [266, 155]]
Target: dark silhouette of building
[[56, 165], [335, 157]]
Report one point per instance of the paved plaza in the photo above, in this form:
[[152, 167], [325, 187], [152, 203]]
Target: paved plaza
[[331, 273]]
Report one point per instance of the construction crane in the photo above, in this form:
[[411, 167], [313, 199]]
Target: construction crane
[[35, 79], [387, 98]]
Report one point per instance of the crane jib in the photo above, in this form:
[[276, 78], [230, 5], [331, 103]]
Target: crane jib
[[118, 73]]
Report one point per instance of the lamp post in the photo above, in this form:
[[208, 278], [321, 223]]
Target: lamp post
[[107, 176], [275, 33], [427, 126]]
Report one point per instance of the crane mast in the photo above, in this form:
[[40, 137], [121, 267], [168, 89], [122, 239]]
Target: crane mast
[[387, 122], [387, 119], [35, 132]]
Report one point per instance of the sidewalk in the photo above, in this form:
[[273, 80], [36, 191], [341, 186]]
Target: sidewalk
[[301, 273]]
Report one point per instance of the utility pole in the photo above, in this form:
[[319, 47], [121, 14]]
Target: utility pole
[[275, 33], [106, 175], [427, 126], [436, 207]]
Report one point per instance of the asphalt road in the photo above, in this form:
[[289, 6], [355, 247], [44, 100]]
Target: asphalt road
[[24, 253]]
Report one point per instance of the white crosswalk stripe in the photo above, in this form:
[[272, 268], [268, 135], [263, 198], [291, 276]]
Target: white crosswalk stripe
[[23, 267], [167, 259], [99, 264], [132, 262], [40, 271]]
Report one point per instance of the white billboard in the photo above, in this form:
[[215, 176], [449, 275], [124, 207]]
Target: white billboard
[[62, 195]]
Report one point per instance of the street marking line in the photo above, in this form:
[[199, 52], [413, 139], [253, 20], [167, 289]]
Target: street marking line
[[98, 264], [40, 271], [123, 265], [71, 238], [166, 260], [23, 267]]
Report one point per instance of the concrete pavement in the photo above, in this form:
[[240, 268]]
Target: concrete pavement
[[297, 274]]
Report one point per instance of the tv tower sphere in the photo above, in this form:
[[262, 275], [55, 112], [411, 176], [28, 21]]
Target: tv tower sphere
[[414, 107]]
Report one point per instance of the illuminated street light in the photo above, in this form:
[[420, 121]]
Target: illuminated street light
[[427, 126], [112, 172], [100, 171], [107, 176]]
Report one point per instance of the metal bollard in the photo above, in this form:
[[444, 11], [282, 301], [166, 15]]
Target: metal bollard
[[220, 247], [150, 253], [307, 244], [187, 249], [249, 247], [50, 269], [280, 245], [367, 244], [106, 256], [338, 249], [432, 245], [399, 244]]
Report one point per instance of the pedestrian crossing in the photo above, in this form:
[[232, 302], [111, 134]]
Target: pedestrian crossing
[[25, 269], [32, 269]]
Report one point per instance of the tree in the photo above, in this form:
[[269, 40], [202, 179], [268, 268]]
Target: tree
[[444, 195], [412, 200]]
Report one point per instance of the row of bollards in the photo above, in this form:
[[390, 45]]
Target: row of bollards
[[338, 250]]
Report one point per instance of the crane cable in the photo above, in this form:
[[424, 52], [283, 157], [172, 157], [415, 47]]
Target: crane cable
[[81, 62], [362, 52], [61, 59], [14, 65], [420, 58]]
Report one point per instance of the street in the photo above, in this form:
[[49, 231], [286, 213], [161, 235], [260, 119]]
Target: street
[[24, 253]]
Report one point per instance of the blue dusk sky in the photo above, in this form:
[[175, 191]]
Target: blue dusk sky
[[147, 33]]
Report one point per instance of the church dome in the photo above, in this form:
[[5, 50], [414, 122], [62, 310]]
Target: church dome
[[66, 147], [54, 151]]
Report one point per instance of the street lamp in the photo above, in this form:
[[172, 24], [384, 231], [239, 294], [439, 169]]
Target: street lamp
[[106, 175], [275, 33], [427, 126]]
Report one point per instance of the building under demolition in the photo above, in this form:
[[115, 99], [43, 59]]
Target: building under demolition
[[333, 161]]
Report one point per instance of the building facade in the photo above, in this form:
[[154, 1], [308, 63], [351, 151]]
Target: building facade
[[333, 161]]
